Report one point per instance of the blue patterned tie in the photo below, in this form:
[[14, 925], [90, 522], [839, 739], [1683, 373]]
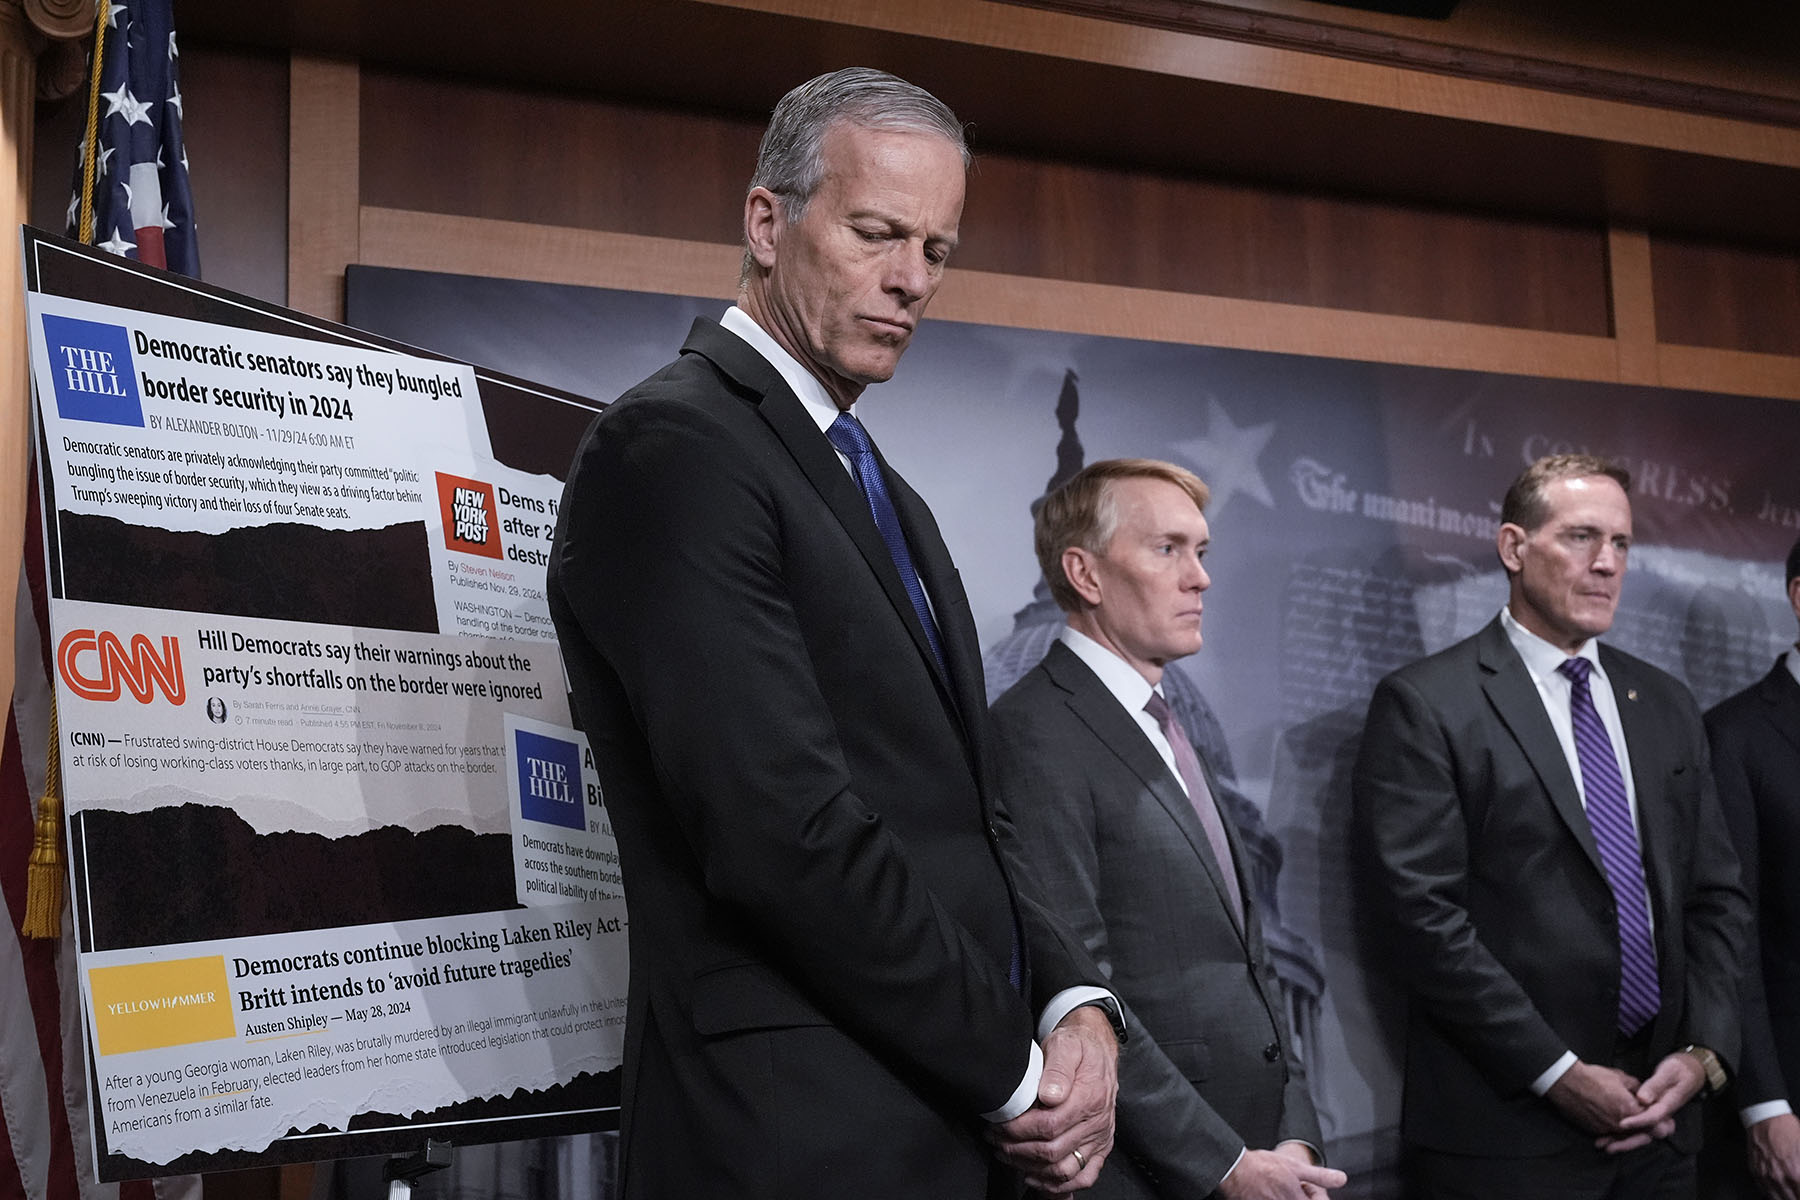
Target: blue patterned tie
[[1609, 814], [847, 434]]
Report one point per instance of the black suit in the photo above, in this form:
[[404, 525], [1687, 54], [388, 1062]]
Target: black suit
[[820, 922], [1755, 738], [1108, 833], [1495, 904]]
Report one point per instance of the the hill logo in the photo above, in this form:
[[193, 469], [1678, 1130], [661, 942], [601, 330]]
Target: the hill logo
[[471, 518], [549, 779], [96, 666], [91, 371]]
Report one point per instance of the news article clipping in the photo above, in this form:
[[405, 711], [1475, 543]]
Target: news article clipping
[[158, 428]]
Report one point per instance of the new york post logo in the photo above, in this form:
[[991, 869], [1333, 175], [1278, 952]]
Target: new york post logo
[[549, 779], [114, 669], [471, 519], [91, 370]]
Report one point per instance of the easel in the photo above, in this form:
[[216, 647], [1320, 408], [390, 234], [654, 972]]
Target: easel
[[403, 1171]]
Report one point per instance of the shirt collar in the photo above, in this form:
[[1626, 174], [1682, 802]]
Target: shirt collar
[[1793, 662], [1542, 658], [818, 403], [1120, 677]]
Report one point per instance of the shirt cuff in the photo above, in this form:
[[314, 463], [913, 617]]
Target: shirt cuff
[[1543, 1083], [1024, 1096], [1067, 1001], [1232, 1167], [1758, 1113]]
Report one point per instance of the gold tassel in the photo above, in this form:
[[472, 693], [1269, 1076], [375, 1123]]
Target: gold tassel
[[90, 144], [44, 874]]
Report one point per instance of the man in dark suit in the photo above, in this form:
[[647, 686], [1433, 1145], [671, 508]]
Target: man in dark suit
[[1755, 739], [1554, 877], [1114, 814], [835, 985]]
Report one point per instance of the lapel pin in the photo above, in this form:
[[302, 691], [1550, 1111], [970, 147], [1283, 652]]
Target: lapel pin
[[1631, 693]]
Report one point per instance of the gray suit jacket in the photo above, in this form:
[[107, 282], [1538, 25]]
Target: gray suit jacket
[[1488, 883], [1114, 847]]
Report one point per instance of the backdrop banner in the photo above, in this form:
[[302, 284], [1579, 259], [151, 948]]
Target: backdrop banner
[[1353, 518]]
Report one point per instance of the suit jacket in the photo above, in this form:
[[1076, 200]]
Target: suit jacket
[[1755, 738], [1117, 851], [1488, 883], [820, 922]]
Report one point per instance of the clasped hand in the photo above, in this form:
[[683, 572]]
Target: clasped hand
[[1058, 1145], [1621, 1111]]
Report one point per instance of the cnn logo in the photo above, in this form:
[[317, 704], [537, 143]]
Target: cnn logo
[[114, 669]]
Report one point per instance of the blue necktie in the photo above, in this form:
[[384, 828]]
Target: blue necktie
[[847, 434], [1609, 814]]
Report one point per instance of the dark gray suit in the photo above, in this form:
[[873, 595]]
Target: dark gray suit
[[1117, 851], [1755, 738], [1493, 899]]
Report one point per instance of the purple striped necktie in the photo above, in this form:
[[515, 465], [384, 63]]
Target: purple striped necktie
[[1200, 796], [1609, 814]]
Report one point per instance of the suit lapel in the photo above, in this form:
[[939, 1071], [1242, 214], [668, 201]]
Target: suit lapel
[[950, 604], [1509, 689], [1118, 730], [818, 461], [1782, 693]]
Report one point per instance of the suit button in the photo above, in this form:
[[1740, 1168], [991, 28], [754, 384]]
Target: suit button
[[1272, 1051]]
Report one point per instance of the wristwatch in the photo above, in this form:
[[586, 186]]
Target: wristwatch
[[1709, 1063]]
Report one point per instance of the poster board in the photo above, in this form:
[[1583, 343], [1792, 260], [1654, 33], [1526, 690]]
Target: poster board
[[341, 872]]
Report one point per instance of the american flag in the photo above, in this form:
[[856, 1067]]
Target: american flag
[[138, 206], [131, 180]]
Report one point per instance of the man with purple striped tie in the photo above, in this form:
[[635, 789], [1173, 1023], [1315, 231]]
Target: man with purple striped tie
[[1553, 877]]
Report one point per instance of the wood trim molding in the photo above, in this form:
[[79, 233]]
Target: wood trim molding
[[1210, 19], [514, 250], [1633, 304], [1735, 372], [1058, 30], [324, 164], [420, 241]]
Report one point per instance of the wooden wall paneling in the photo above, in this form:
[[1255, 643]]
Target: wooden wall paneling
[[1727, 297], [1633, 304], [474, 246], [235, 104], [297, 1181], [576, 162], [1298, 73], [515, 250], [1138, 229], [550, 159], [324, 140]]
